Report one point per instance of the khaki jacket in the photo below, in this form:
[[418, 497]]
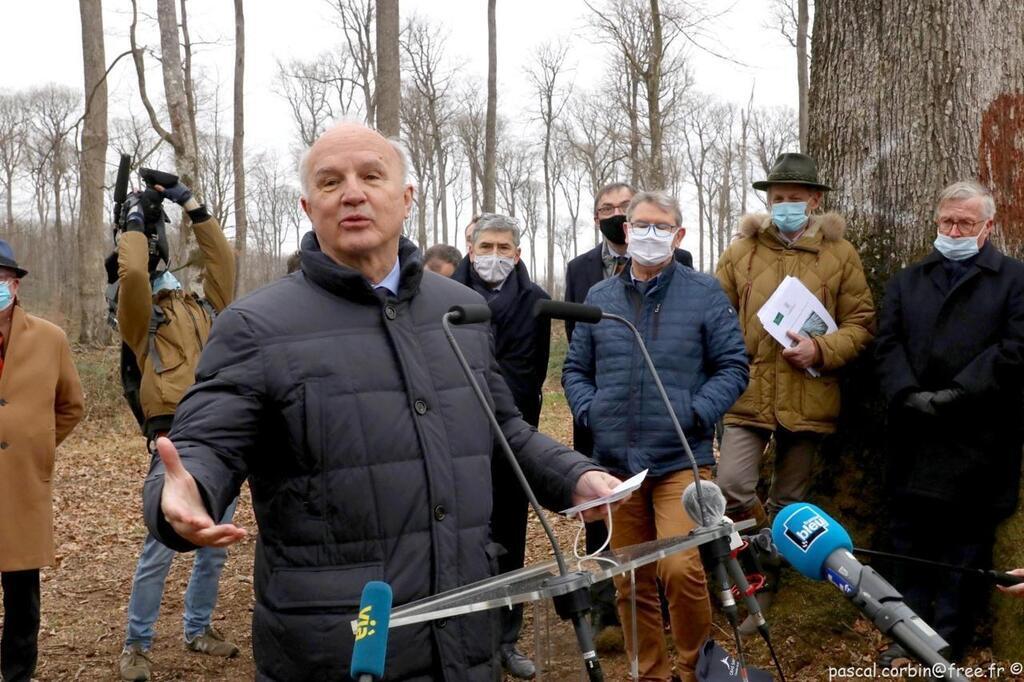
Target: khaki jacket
[[180, 340], [750, 270], [40, 402]]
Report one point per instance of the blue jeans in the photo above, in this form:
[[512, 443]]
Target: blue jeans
[[148, 588]]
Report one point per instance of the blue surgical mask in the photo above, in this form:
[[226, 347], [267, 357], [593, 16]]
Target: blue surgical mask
[[956, 248], [6, 297], [790, 216], [165, 280]]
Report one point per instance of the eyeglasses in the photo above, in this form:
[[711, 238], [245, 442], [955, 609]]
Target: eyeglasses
[[608, 210], [963, 226], [660, 229]]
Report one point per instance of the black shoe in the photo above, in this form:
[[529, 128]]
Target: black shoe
[[516, 664]]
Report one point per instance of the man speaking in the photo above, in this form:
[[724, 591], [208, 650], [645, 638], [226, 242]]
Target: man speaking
[[334, 391]]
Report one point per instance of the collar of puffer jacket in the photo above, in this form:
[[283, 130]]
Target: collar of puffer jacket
[[832, 226], [347, 282]]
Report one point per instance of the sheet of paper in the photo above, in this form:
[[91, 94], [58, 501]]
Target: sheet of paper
[[792, 307], [619, 492]]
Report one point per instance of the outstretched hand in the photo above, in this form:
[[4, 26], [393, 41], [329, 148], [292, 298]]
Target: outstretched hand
[[592, 485], [179, 192], [183, 507]]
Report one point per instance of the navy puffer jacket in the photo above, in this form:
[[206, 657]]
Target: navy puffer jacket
[[694, 339], [367, 456]]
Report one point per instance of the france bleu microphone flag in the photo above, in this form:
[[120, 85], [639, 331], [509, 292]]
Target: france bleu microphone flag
[[371, 646]]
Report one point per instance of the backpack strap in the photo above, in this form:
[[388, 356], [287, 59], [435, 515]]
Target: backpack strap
[[155, 320]]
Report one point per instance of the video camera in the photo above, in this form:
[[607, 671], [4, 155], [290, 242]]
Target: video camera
[[148, 203]]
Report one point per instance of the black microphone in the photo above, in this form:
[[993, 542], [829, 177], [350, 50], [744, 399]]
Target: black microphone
[[469, 313], [819, 548], [591, 314], [575, 312], [574, 604]]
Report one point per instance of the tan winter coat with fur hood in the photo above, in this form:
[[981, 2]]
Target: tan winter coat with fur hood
[[750, 270]]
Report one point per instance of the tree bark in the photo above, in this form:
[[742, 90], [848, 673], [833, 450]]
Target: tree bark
[[388, 79], [656, 171], [907, 96], [238, 148], [491, 125], [91, 223]]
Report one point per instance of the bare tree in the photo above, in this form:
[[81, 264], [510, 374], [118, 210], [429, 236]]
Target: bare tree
[[544, 74], [515, 168], [791, 18], [423, 46], [355, 18], [644, 34], [469, 129], [418, 141], [91, 223], [772, 130], [570, 175], [54, 109], [530, 193], [315, 92], [388, 77], [178, 94], [491, 126], [14, 128], [238, 144]]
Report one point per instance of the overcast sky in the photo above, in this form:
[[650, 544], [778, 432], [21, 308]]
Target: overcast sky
[[42, 43]]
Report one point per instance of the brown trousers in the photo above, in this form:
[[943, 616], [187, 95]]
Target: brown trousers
[[653, 512]]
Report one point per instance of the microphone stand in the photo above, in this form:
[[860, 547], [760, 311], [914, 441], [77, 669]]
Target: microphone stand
[[575, 604]]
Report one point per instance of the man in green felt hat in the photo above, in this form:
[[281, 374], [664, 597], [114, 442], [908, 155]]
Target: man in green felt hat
[[784, 401]]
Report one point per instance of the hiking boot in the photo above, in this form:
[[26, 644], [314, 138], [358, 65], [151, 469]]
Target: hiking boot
[[516, 663], [212, 643], [135, 664]]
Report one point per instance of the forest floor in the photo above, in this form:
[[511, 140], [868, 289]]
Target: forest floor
[[100, 469]]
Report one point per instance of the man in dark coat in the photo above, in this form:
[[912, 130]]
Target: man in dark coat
[[950, 352], [334, 392], [605, 260], [494, 268]]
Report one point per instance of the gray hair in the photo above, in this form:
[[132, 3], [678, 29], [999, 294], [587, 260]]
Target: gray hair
[[396, 144], [662, 200], [496, 222], [611, 187], [962, 190]]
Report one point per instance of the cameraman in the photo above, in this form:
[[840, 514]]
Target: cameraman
[[167, 329]]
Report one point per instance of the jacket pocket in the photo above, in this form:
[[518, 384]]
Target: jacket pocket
[[320, 588], [43, 444], [820, 398], [682, 404]]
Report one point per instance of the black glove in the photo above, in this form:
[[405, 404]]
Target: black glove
[[921, 401], [179, 193], [947, 398]]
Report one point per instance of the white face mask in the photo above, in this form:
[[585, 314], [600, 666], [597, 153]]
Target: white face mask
[[165, 280], [493, 269], [650, 249]]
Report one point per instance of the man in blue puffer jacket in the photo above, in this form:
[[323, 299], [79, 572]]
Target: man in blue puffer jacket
[[694, 339]]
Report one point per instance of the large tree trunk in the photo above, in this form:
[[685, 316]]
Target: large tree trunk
[[238, 148], [91, 223], [388, 80], [491, 125], [907, 96]]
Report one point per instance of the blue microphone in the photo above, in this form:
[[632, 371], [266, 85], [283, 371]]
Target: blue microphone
[[371, 648], [819, 548]]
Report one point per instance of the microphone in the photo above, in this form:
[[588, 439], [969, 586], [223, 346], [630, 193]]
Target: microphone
[[721, 553], [819, 548], [574, 312], [592, 314], [370, 651], [469, 313], [574, 603]]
